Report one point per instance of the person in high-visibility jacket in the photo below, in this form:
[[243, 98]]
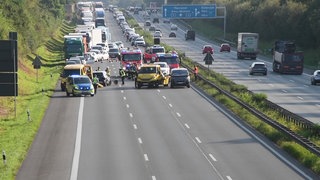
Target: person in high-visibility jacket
[[95, 82], [122, 74], [195, 72]]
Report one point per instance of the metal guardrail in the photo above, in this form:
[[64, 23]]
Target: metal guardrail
[[289, 116]]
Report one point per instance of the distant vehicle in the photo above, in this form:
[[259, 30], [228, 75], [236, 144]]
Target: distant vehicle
[[315, 78], [172, 34], [179, 77], [207, 49], [77, 60], [97, 54], [103, 78], [173, 27], [258, 68], [190, 34], [150, 53], [225, 47], [119, 44], [286, 59], [171, 58], [139, 42], [164, 67], [78, 85], [166, 20], [152, 28], [247, 45], [114, 53], [100, 22], [147, 23], [155, 20], [157, 34]]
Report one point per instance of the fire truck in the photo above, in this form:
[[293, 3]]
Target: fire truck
[[129, 58], [171, 58]]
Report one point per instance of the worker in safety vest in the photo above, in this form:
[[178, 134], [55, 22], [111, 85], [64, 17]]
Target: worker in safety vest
[[95, 82], [122, 75], [195, 72]]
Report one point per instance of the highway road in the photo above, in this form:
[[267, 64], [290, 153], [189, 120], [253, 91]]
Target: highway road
[[152, 134], [293, 92]]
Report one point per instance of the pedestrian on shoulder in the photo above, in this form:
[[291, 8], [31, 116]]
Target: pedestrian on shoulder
[[195, 72]]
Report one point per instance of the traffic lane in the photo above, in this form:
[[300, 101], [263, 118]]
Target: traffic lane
[[310, 102], [168, 148], [110, 149], [51, 153], [285, 90], [232, 151]]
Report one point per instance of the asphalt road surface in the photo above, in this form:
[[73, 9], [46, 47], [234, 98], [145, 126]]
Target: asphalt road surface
[[149, 134]]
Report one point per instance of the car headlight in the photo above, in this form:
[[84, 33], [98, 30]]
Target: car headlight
[[76, 87]]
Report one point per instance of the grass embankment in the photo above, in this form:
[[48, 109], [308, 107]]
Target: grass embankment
[[307, 158], [18, 131]]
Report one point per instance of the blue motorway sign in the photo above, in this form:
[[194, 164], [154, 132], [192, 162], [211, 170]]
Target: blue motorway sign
[[189, 11]]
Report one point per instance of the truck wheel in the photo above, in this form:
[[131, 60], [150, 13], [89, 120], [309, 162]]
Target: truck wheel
[[139, 85]]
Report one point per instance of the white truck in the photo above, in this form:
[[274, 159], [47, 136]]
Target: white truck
[[247, 46], [96, 36]]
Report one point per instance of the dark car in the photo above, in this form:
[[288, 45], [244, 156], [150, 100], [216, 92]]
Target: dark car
[[152, 28], [148, 23], [114, 53], [103, 78], [155, 20], [190, 34], [315, 78], [258, 68], [172, 34], [225, 47], [179, 77], [207, 49], [166, 20]]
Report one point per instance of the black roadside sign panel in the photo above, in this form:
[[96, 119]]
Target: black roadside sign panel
[[208, 59], [8, 56], [37, 63]]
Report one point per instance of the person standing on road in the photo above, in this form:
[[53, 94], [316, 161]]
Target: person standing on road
[[122, 75], [195, 72], [95, 82]]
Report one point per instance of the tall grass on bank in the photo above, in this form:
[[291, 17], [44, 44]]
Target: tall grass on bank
[[17, 132]]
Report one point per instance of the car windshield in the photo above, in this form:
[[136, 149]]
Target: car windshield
[[157, 50], [180, 73], [114, 50], [130, 57], [69, 72], [259, 65], [146, 70], [82, 80], [169, 60]]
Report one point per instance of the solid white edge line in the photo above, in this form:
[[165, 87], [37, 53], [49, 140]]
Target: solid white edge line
[[293, 166], [77, 147]]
